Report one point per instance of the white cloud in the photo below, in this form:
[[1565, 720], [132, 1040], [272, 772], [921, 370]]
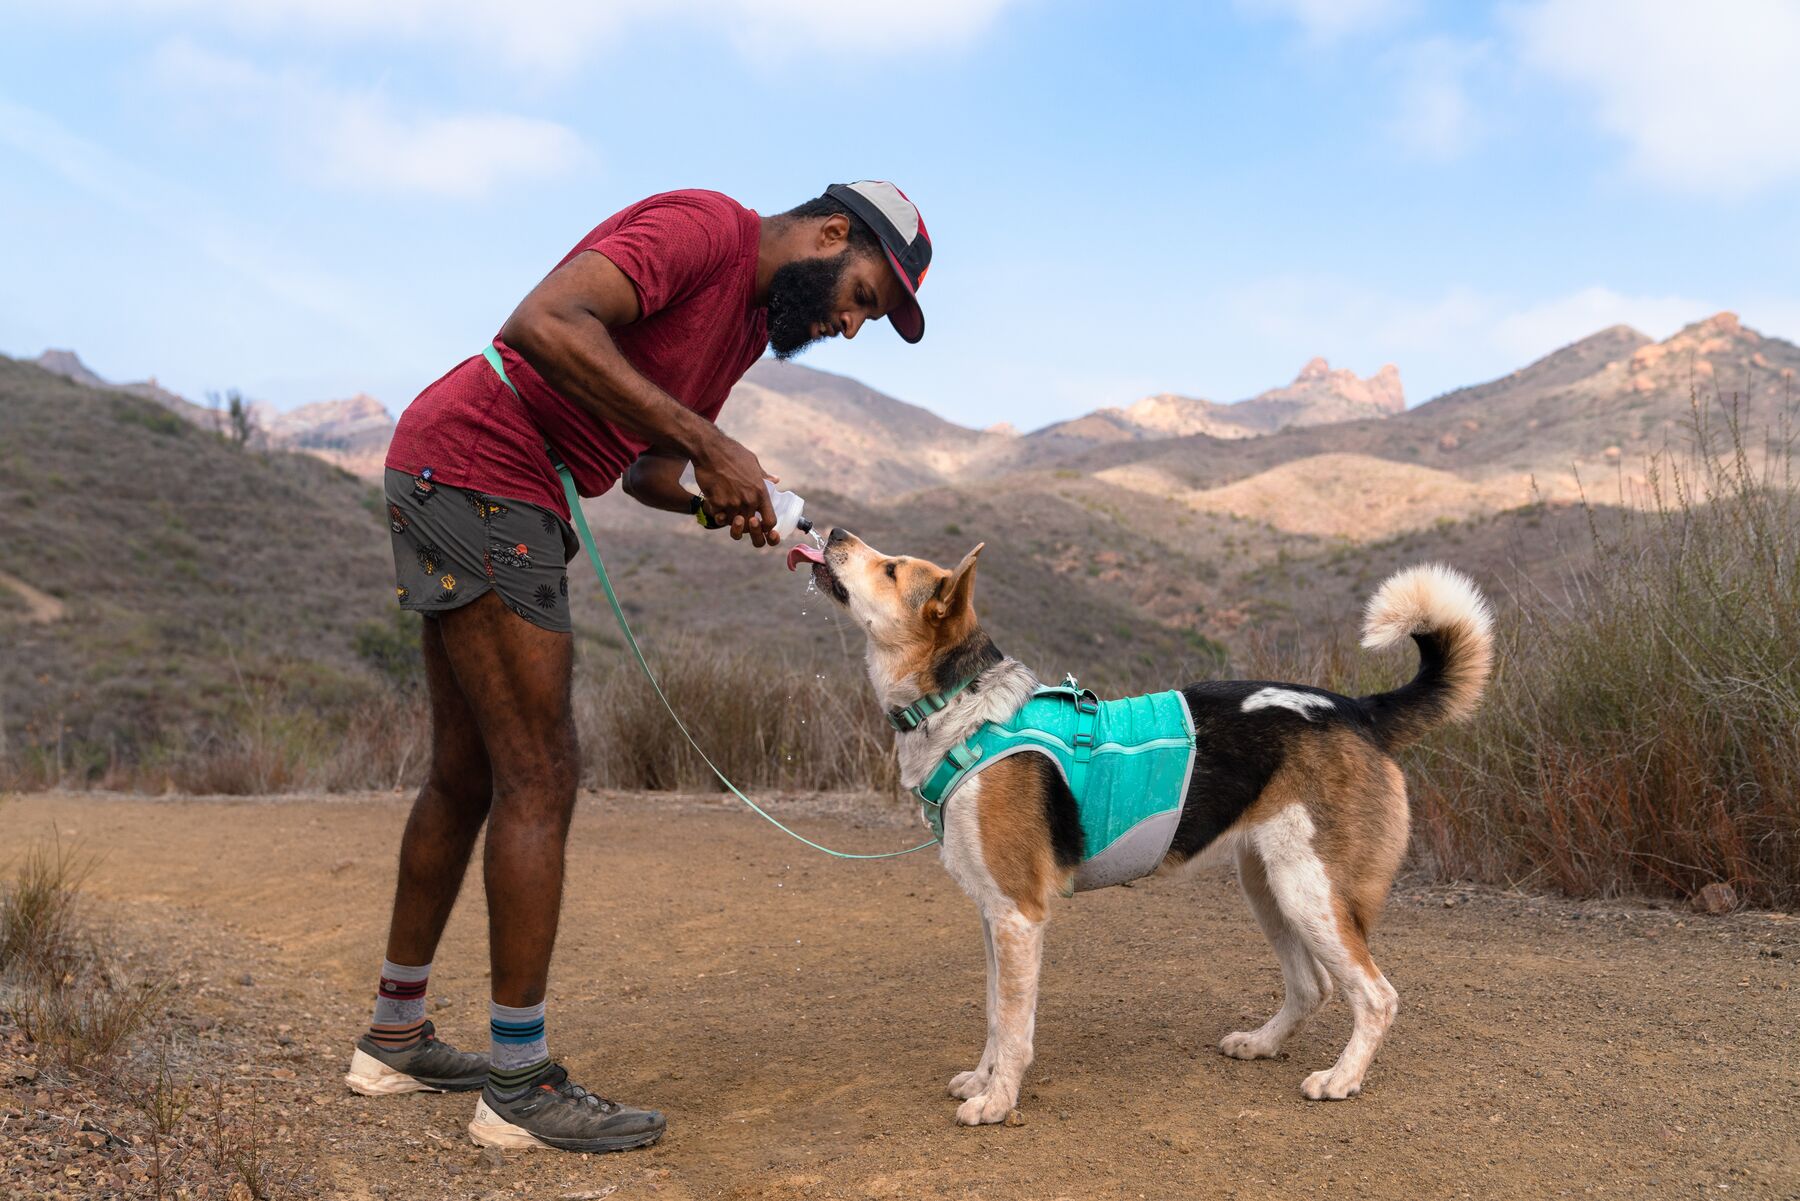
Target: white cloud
[[1706, 97], [557, 35], [1434, 117], [1329, 20], [359, 140]]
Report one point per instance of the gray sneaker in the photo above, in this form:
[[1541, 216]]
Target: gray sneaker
[[430, 1066], [552, 1111]]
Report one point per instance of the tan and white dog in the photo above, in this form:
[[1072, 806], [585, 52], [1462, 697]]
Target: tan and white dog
[[1299, 783]]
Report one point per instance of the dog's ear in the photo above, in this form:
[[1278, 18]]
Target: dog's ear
[[956, 594]]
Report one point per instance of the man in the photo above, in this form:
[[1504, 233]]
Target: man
[[622, 357]]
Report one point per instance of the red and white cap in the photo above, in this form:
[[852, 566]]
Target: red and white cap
[[896, 221]]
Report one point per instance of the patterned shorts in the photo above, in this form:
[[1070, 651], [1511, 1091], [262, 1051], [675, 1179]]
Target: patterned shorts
[[451, 545]]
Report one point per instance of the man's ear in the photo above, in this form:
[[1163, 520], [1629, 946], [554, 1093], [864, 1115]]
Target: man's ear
[[834, 232], [956, 594]]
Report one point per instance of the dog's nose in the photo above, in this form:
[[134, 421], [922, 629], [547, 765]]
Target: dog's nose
[[839, 534]]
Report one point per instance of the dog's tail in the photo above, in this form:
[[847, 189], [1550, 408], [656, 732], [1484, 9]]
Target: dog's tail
[[1446, 615]]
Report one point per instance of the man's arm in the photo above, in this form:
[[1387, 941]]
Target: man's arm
[[561, 329], [654, 479]]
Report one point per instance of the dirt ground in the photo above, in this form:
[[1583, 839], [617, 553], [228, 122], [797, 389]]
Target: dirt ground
[[798, 1018]]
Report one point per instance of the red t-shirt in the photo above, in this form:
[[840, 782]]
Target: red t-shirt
[[691, 255]]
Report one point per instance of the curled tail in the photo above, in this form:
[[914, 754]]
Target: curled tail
[[1441, 609]]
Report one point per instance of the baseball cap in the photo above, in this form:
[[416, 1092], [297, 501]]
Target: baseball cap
[[896, 221]]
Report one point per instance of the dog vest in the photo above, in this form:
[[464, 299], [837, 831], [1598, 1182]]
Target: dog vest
[[1126, 762]]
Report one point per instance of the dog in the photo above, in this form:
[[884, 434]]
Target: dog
[[1299, 784]]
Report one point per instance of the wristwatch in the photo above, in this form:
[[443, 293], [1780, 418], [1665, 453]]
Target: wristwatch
[[697, 508]]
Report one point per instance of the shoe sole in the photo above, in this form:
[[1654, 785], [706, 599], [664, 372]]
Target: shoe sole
[[373, 1078], [489, 1129]]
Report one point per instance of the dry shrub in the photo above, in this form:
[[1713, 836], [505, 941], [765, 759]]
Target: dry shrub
[[55, 983], [764, 724]]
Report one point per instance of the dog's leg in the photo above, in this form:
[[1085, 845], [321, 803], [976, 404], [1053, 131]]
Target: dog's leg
[[1306, 983], [1324, 923], [964, 1085], [1018, 954]]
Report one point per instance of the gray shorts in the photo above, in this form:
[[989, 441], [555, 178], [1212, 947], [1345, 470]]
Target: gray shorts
[[451, 545]]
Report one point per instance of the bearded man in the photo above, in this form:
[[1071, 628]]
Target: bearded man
[[618, 362]]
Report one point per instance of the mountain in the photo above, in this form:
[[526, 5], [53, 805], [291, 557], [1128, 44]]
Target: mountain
[[1321, 396], [829, 432], [1318, 396], [352, 434], [1585, 416]]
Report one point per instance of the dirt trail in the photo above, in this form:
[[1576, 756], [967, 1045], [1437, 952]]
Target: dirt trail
[[40, 607], [798, 1018]]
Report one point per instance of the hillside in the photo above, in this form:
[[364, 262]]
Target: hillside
[[161, 581], [188, 574], [352, 434], [162, 587]]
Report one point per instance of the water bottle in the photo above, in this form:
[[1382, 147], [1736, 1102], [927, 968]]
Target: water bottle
[[788, 508]]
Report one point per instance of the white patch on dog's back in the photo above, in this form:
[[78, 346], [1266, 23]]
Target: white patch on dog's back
[[1302, 703]]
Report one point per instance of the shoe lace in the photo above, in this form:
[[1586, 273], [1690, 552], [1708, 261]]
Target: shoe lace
[[574, 1092]]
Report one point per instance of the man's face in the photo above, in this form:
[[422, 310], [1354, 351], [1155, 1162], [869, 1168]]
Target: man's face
[[828, 295]]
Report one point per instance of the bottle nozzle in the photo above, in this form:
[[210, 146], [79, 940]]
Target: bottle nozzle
[[804, 525]]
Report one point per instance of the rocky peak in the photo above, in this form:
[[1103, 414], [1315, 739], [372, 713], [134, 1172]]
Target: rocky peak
[[1321, 394]]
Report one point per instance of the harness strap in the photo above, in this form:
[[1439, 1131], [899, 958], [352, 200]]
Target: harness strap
[[492, 355], [1087, 712], [913, 716]]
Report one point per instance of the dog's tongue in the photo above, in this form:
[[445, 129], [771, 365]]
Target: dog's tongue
[[799, 554]]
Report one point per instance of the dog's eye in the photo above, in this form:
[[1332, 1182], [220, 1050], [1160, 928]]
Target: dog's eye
[[890, 569]]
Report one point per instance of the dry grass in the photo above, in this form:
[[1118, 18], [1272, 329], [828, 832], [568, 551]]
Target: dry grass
[[56, 982], [99, 1037], [766, 725], [1642, 734]]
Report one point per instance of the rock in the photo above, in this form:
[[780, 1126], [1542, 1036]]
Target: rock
[[247, 980], [1716, 898], [1449, 442], [1015, 1118], [493, 1158]]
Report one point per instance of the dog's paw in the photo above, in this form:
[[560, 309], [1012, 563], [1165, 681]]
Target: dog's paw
[[964, 1085], [1249, 1044], [1330, 1085], [985, 1109]]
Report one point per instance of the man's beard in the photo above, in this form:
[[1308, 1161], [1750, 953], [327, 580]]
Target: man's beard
[[802, 294]]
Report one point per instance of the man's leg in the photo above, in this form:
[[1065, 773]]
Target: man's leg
[[400, 1052], [516, 677], [446, 817]]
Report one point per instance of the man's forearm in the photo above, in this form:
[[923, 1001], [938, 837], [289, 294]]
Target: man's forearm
[[577, 357], [656, 483]]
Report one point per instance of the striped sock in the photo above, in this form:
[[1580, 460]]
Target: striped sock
[[519, 1051], [399, 1021]]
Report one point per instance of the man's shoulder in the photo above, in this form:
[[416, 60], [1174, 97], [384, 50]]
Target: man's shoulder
[[702, 203]]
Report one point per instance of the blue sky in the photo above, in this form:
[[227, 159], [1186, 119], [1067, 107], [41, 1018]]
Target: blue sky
[[309, 198]]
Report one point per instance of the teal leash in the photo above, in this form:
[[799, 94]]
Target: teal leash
[[612, 598]]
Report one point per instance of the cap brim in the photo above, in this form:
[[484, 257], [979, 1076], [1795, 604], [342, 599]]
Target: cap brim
[[907, 318]]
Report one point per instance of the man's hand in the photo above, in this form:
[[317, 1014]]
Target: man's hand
[[731, 481]]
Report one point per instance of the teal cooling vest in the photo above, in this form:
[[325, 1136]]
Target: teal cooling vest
[[1127, 763]]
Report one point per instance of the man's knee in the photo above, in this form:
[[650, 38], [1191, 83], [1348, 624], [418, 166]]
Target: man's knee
[[538, 783], [466, 793]]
